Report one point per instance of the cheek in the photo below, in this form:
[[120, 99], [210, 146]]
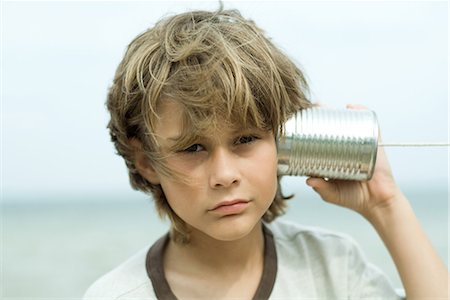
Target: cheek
[[265, 167], [181, 197], [269, 157], [188, 163], [175, 195]]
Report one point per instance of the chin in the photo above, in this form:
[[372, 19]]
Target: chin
[[234, 230]]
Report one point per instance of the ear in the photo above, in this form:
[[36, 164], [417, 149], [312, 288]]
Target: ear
[[143, 164]]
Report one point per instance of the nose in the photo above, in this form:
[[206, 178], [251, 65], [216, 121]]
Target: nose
[[224, 169]]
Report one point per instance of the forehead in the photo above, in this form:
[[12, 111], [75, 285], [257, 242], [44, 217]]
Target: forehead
[[170, 121], [174, 121]]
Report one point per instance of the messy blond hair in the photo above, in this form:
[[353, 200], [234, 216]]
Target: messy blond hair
[[216, 65]]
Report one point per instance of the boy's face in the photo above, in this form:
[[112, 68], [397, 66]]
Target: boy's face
[[232, 176]]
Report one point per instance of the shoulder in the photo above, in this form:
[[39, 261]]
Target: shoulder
[[293, 235], [310, 250], [325, 264], [129, 279]]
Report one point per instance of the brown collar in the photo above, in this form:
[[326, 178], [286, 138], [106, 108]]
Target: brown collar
[[155, 268]]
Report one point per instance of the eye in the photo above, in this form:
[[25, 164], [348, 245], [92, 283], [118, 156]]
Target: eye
[[194, 148], [246, 139]]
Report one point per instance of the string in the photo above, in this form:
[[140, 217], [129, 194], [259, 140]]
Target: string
[[413, 145]]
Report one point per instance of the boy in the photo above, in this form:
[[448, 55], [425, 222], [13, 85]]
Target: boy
[[197, 105]]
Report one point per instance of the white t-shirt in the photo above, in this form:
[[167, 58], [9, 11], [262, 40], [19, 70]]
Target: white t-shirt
[[310, 263]]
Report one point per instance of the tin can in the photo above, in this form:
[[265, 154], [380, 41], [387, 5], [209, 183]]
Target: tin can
[[329, 143]]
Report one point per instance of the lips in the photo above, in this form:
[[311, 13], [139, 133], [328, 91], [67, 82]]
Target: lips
[[230, 207]]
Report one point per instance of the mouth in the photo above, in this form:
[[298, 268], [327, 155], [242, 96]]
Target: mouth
[[230, 207]]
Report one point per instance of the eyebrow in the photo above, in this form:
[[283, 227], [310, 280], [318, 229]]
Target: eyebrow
[[234, 132], [174, 138], [179, 141]]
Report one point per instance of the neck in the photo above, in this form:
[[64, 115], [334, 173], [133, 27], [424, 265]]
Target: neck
[[205, 251]]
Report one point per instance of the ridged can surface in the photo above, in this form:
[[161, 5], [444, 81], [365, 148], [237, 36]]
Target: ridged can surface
[[329, 143]]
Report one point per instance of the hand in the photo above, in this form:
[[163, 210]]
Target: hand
[[363, 197]]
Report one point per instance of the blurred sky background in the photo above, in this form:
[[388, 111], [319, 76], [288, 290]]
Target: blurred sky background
[[59, 59]]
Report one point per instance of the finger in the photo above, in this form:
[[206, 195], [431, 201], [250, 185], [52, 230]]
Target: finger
[[316, 182], [327, 190], [318, 104], [356, 106]]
